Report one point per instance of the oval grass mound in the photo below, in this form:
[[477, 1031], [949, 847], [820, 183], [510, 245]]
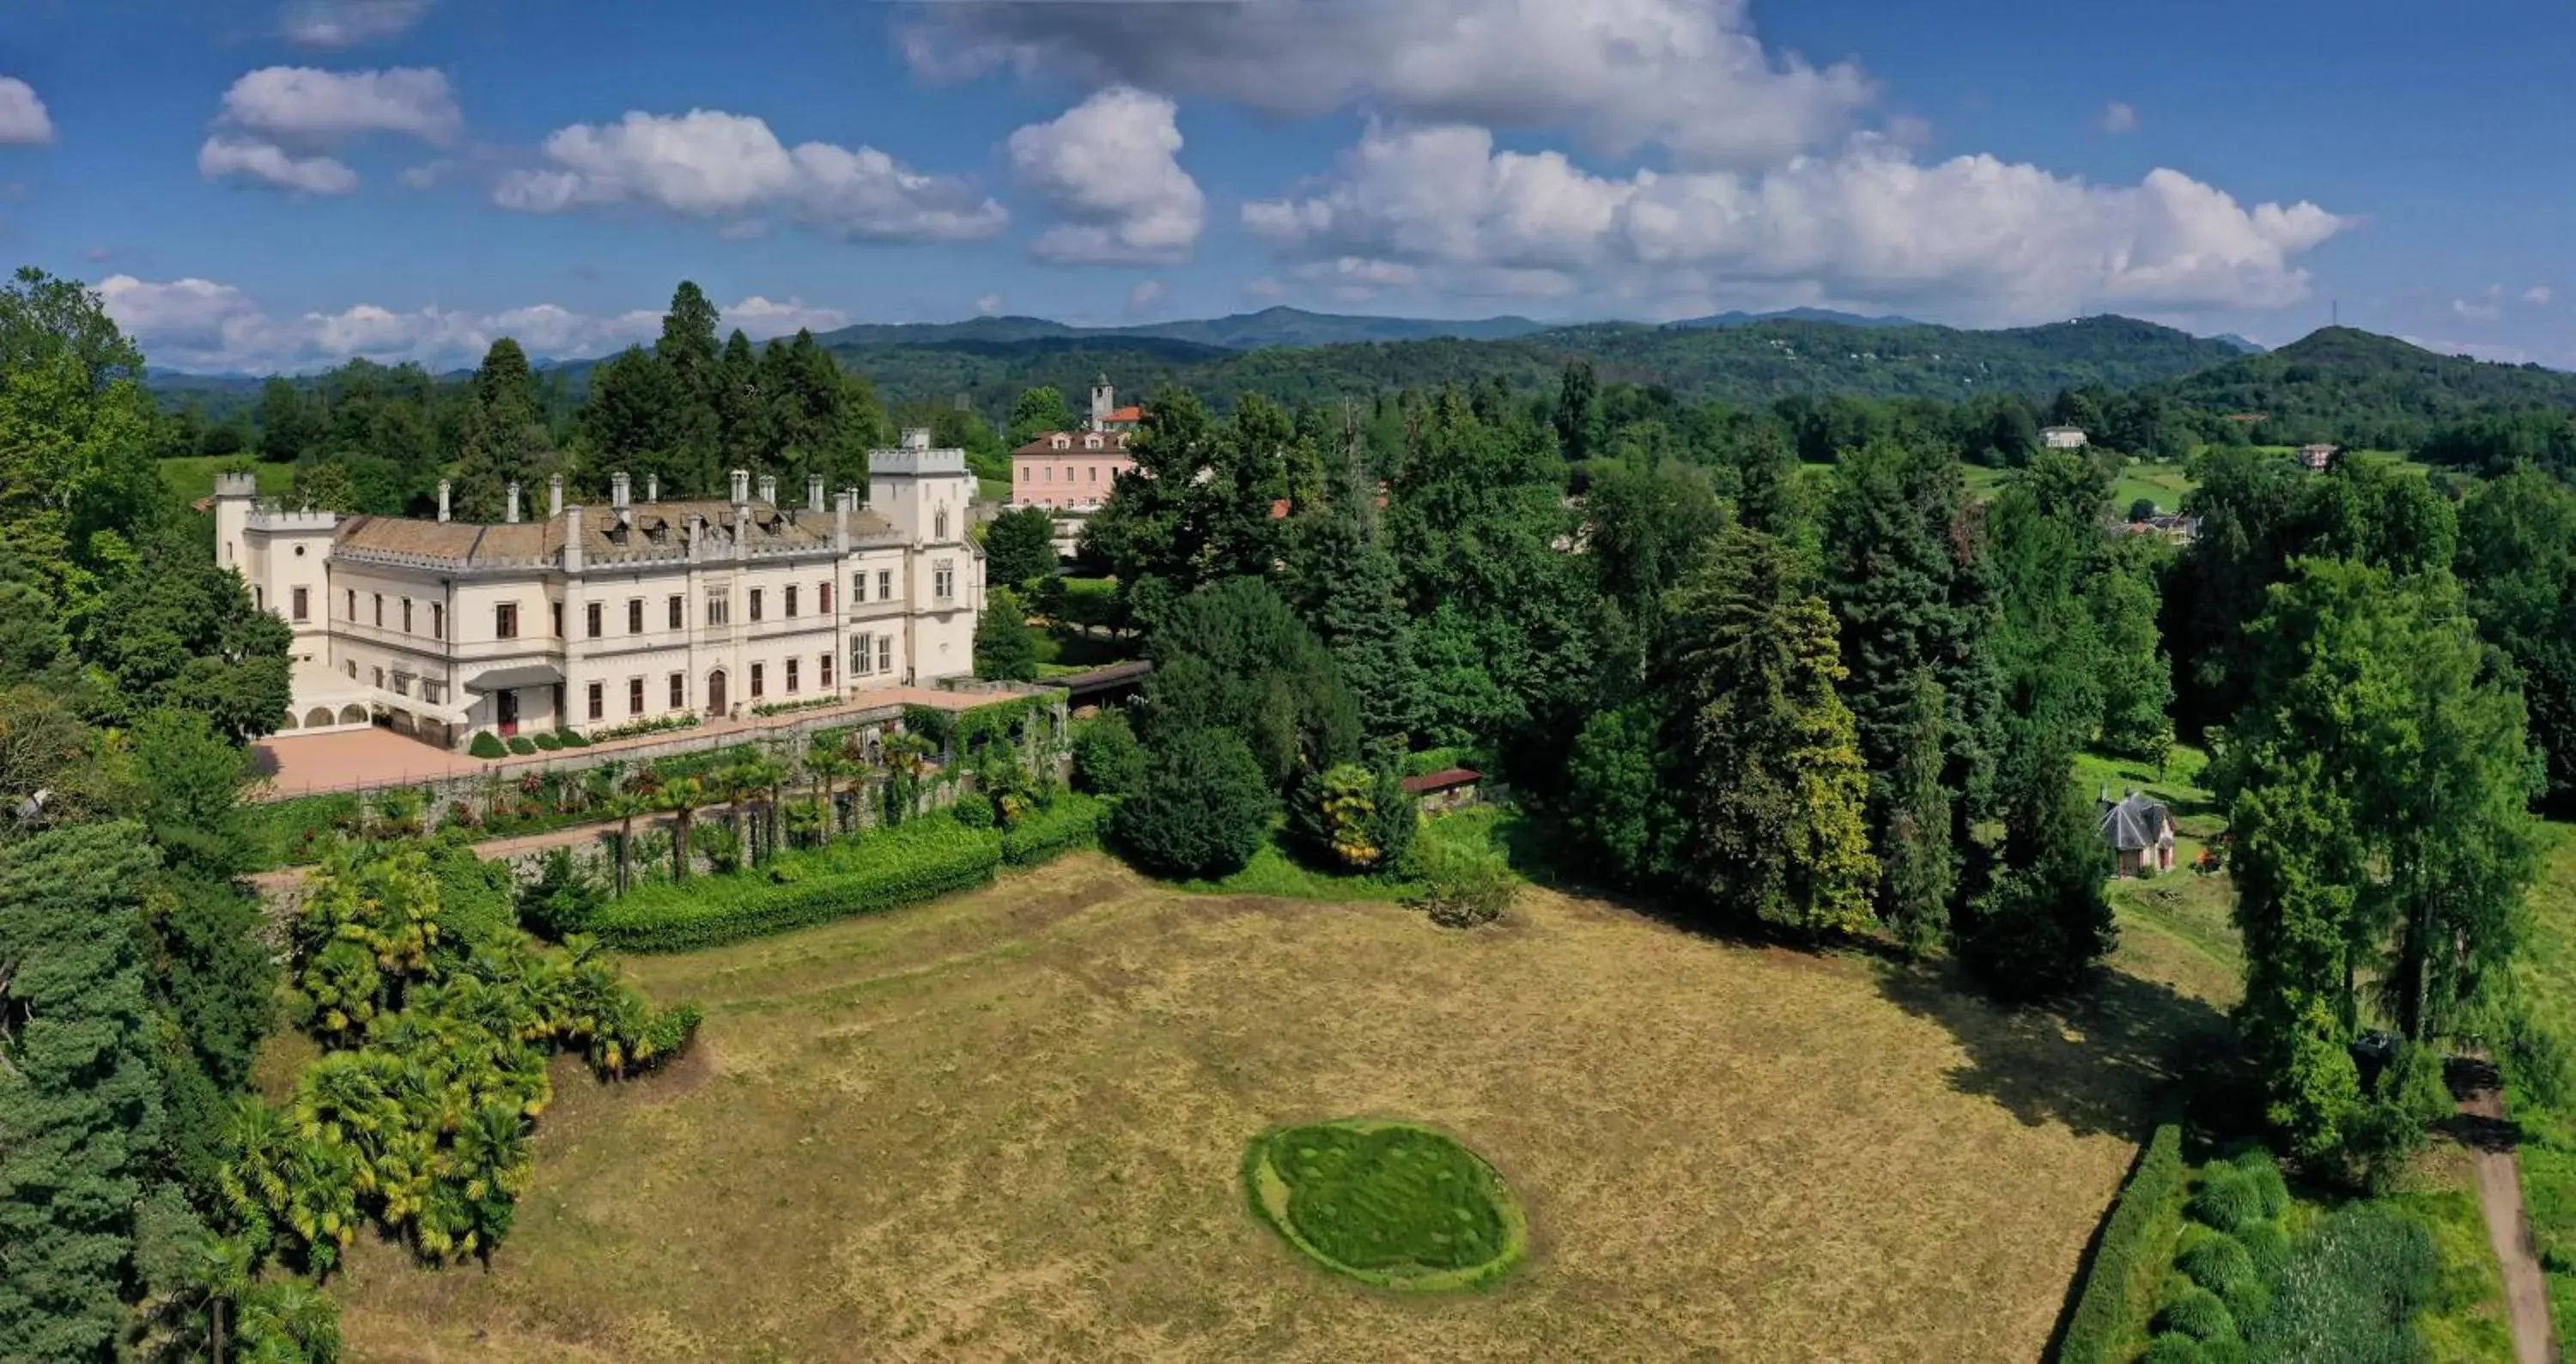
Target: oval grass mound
[[1389, 1203]]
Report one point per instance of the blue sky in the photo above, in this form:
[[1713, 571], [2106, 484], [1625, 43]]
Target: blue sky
[[266, 185]]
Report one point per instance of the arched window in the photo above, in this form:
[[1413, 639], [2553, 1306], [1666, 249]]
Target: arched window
[[939, 525]]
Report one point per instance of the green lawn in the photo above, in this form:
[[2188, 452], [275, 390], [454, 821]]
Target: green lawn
[[193, 477], [2162, 484]]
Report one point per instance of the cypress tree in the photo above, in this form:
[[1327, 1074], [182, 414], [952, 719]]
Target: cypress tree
[[1920, 861]]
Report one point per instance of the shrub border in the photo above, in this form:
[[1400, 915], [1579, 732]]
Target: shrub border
[[1263, 1184], [2102, 1300]]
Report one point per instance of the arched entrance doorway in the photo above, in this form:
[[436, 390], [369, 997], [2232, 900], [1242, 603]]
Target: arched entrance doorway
[[716, 693]]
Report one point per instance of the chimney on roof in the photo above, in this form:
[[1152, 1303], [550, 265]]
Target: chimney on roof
[[620, 490], [652, 487], [814, 493], [554, 496], [572, 546], [741, 487], [769, 489], [513, 517], [442, 499], [842, 506]]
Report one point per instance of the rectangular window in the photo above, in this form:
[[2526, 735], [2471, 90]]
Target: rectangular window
[[943, 581], [380, 679], [756, 670], [791, 677], [755, 604], [676, 609], [1048, 476], [635, 615], [402, 684], [635, 696], [303, 607], [823, 597], [437, 620], [719, 608], [505, 620], [885, 653], [353, 606], [558, 618], [679, 691], [863, 659], [1024, 473], [591, 617], [598, 700], [1095, 473], [406, 615], [791, 601], [380, 610], [258, 597], [858, 588], [433, 692], [885, 584], [823, 671]]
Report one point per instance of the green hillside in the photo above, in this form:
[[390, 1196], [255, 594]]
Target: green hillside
[[2359, 389]]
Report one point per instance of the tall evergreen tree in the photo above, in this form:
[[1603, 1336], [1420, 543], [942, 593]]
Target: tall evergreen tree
[[630, 424], [505, 441], [80, 1110], [1350, 588], [1037, 412], [745, 438], [1920, 861], [1775, 784], [693, 433], [2046, 920], [1907, 583]]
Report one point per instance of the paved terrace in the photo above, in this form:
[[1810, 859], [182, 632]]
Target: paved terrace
[[360, 760]]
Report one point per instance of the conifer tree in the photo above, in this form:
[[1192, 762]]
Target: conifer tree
[[1775, 785], [1921, 864], [505, 438], [2046, 921]]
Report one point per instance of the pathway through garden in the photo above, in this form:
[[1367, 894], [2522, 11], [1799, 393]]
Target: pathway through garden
[[2490, 1140]]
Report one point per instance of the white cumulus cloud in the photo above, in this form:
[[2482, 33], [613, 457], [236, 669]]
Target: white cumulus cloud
[[23, 120], [1689, 76], [303, 103], [2118, 117], [712, 164], [266, 161], [1992, 240], [205, 325], [284, 126], [2537, 295], [346, 23], [1108, 169], [987, 305]]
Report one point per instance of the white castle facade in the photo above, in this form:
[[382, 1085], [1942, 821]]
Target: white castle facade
[[593, 618]]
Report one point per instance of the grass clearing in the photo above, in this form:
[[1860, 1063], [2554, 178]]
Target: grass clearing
[[193, 476], [1012, 1124]]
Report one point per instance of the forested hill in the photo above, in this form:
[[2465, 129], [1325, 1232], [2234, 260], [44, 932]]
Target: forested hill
[[2364, 390], [1751, 363], [994, 360], [1241, 331]]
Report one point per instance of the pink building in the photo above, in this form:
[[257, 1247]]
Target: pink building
[[1074, 470], [1069, 470]]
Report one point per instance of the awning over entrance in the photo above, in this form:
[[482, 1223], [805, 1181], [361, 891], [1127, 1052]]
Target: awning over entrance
[[511, 679]]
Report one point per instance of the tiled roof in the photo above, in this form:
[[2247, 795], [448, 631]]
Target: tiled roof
[[657, 530], [2135, 824], [1446, 779], [1111, 443]]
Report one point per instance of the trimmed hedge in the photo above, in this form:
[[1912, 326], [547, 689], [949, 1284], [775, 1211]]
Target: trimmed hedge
[[2229, 1199], [523, 745], [1073, 820], [2102, 1307], [2216, 1262], [2200, 1314], [486, 745], [890, 869]]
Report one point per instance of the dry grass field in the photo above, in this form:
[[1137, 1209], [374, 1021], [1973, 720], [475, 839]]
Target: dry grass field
[[1011, 1125]]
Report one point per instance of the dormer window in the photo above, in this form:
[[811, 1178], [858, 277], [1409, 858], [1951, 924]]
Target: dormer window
[[1091, 442], [1064, 442]]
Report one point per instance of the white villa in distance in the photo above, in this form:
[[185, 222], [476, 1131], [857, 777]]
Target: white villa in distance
[[598, 617]]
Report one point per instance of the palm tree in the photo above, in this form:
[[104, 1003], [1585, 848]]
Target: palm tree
[[682, 798], [734, 785], [642, 792], [766, 774], [826, 766]]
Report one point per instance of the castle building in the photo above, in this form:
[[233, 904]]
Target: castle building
[[596, 617]]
